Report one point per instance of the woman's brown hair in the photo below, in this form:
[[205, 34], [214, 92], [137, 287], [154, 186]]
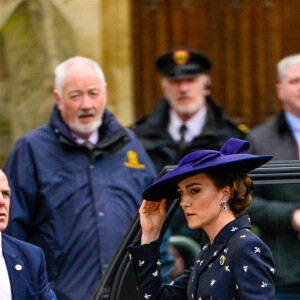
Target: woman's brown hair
[[241, 186]]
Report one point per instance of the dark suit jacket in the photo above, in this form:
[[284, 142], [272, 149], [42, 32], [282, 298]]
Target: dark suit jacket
[[272, 206], [26, 269], [273, 137]]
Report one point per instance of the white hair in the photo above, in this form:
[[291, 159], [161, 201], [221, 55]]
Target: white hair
[[61, 71], [285, 63]]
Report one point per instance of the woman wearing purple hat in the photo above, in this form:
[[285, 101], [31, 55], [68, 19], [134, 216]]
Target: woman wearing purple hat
[[214, 191]]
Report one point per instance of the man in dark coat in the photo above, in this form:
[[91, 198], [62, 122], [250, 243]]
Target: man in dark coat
[[186, 119], [77, 182], [276, 209], [23, 272]]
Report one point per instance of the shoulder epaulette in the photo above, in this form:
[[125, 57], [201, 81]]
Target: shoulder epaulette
[[243, 128]]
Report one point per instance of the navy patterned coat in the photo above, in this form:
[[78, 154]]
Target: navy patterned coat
[[238, 265]]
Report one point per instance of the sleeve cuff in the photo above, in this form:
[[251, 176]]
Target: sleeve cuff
[[144, 252]]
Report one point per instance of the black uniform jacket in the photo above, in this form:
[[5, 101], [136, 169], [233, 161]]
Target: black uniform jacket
[[163, 150]]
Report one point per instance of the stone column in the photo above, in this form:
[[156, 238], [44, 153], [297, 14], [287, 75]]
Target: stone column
[[34, 38], [116, 57], [35, 35]]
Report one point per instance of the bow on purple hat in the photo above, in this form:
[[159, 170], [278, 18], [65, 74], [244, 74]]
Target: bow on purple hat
[[233, 157]]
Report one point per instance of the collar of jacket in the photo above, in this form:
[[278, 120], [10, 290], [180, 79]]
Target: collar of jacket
[[220, 241], [151, 126], [228, 230], [158, 118], [282, 124], [12, 258], [112, 135]]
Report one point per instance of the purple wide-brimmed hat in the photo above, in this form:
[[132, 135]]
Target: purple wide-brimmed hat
[[231, 158]]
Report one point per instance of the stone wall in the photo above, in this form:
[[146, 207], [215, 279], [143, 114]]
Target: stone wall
[[35, 35]]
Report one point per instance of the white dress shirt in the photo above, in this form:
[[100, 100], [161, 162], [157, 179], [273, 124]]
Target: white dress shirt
[[194, 125], [5, 289], [294, 123]]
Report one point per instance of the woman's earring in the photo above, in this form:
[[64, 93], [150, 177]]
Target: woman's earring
[[223, 203]]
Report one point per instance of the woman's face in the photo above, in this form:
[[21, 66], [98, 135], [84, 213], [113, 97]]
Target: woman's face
[[201, 200]]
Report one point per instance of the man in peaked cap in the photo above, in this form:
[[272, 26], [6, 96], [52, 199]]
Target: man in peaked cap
[[186, 119]]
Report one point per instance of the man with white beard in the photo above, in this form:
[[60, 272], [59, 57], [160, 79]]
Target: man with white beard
[[186, 119], [187, 104]]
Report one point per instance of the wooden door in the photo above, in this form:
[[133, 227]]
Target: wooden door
[[244, 38]]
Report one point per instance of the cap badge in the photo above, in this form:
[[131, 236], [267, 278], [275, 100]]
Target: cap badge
[[222, 260], [181, 56]]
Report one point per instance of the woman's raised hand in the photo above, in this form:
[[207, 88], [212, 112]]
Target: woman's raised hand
[[152, 216]]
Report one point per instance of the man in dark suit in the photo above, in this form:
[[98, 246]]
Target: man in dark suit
[[23, 272], [276, 209]]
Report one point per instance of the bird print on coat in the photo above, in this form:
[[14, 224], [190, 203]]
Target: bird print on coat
[[238, 265]]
